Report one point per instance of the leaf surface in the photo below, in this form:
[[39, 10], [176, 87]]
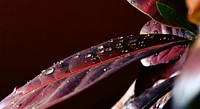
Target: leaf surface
[[170, 54], [150, 96], [72, 75], [149, 7]]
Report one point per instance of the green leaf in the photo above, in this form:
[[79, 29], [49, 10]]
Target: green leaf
[[174, 16]]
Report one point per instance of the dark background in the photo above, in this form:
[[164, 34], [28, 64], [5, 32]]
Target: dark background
[[36, 33]]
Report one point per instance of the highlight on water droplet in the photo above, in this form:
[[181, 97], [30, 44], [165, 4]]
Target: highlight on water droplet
[[48, 71]]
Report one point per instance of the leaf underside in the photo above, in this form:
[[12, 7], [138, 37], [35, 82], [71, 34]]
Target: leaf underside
[[150, 96], [75, 73]]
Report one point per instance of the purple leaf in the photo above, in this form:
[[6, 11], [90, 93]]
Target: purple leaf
[[150, 96], [74, 74], [170, 54]]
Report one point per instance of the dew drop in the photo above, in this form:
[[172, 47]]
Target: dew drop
[[77, 56], [164, 38], [48, 71], [111, 40], [102, 51], [147, 24], [15, 90], [19, 105], [155, 32], [155, 23], [156, 54], [120, 37], [132, 1], [100, 47], [59, 64], [109, 49], [119, 45], [124, 51], [89, 55], [106, 69]]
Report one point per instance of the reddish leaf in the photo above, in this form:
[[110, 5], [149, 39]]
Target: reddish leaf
[[149, 7], [170, 54], [77, 72]]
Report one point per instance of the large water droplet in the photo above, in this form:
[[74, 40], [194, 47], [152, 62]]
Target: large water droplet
[[155, 32], [48, 71]]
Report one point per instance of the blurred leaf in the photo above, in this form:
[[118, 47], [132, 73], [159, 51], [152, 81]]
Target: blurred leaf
[[174, 16]]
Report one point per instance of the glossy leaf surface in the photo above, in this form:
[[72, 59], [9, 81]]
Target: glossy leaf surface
[[170, 54], [72, 75]]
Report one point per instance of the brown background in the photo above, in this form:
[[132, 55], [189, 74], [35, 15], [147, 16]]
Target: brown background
[[36, 33]]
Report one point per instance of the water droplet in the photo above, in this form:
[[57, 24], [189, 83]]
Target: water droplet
[[101, 52], [59, 64], [106, 69], [100, 47], [119, 45], [142, 42], [155, 23], [15, 90], [132, 1], [108, 49], [120, 37], [124, 51], [19, 105], [164, 38], [77, 56], [155, 32], [156, 54], [111, 40], [48, 71], [147, 24], [89, 55]]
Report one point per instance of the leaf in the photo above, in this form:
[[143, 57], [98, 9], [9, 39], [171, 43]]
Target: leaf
[[174, 16], [170, 54], [150, 96], [149, 7], [74, 74]]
